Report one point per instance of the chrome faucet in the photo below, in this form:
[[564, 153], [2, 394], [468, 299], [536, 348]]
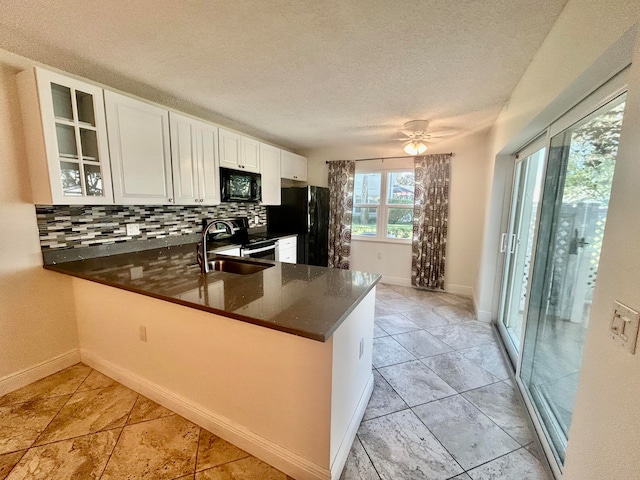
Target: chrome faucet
[[202, 247]]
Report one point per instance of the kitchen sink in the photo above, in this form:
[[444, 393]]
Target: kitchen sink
[[240, 267]]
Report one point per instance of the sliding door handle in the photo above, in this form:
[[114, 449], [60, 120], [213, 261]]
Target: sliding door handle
[[503, 242]]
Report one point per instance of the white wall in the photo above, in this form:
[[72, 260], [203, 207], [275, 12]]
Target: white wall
[[605, 434], [589, 42], [37, 320], [469, 188], [568, 66]]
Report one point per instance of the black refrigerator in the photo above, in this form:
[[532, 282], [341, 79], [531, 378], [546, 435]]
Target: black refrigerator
[[304, 211]]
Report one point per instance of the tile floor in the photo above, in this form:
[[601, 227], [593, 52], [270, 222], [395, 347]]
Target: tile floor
[[443, 407], [80, 424]]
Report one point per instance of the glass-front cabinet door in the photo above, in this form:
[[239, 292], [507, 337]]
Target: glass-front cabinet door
[[72, 125]]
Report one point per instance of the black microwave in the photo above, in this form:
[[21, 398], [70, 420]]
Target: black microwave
[[237, 186]]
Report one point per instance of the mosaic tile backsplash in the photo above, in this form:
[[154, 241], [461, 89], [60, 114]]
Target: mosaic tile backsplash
[[64, 227]]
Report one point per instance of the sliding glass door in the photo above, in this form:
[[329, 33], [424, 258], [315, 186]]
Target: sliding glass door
[[557, 220], [572, 224], [517, 243]]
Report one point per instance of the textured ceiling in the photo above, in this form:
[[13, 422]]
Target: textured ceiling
[[303, 74]]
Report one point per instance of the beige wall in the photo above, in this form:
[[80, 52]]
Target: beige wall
[[590, 41], [37, 320], [469, 182]]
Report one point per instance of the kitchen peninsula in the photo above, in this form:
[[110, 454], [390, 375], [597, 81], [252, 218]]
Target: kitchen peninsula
[[278, 362]]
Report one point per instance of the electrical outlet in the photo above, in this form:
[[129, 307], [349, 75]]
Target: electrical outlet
[[133, 229], [256, 219], [361, 351], [143, 333], [136, 272]]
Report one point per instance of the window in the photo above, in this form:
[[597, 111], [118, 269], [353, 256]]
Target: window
[[383, 205]]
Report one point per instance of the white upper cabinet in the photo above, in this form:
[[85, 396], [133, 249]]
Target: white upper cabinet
[[140, 151], [194, 156], [239, 152], [293, 166], [64, 124], [270, 171]]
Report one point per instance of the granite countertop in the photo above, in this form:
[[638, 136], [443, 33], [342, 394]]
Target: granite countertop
[[303, 300]]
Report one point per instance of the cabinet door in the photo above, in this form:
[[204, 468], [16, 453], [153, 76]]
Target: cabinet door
[[229, 149], [194, 157], [140, 153], [294, 166], [250, 159], [184, 159], [208, 168], [300, 168], [287, 248], [286, 164], [270, 170], [64, 123]]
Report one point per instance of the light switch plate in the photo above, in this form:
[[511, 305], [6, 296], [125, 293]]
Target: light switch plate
[[624, 326]]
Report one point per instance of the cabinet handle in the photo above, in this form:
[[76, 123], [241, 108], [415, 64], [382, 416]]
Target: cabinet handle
[[171, 200]]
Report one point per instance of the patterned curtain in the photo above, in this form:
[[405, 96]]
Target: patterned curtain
[[341, 176], [430, 218]]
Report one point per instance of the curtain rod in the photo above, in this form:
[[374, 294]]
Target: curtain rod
[[387, 158]]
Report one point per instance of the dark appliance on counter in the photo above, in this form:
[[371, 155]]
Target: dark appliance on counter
[[237, 186], [253, 245], [304, 211]]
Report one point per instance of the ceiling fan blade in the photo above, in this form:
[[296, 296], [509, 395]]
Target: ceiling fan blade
[[443, 133], [408, 133]]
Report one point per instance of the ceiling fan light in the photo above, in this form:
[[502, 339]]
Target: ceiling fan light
[[415, 148]]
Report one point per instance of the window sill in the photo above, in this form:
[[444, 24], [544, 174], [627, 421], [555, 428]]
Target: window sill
[[377, 240]]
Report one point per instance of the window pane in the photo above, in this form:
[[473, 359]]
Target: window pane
[[93, 180], [70, 173], [400, 223], [61, 97], [366, 188], [400, 188], [364, 221]]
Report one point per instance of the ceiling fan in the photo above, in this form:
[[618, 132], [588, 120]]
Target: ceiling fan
[[416, 135]]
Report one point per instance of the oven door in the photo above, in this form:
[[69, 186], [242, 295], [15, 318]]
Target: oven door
[[266, 252]]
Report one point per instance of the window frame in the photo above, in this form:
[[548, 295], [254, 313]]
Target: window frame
[[382, 207]]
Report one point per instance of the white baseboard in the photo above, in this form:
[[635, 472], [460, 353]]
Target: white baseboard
[[458, 289], [37, 372], [403, 282], [345, 447], [288, 462], [481, 315]]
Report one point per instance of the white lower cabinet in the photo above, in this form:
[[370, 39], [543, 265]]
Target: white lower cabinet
[[140, 151], [270, 171], [194, 157], [287, 250]]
